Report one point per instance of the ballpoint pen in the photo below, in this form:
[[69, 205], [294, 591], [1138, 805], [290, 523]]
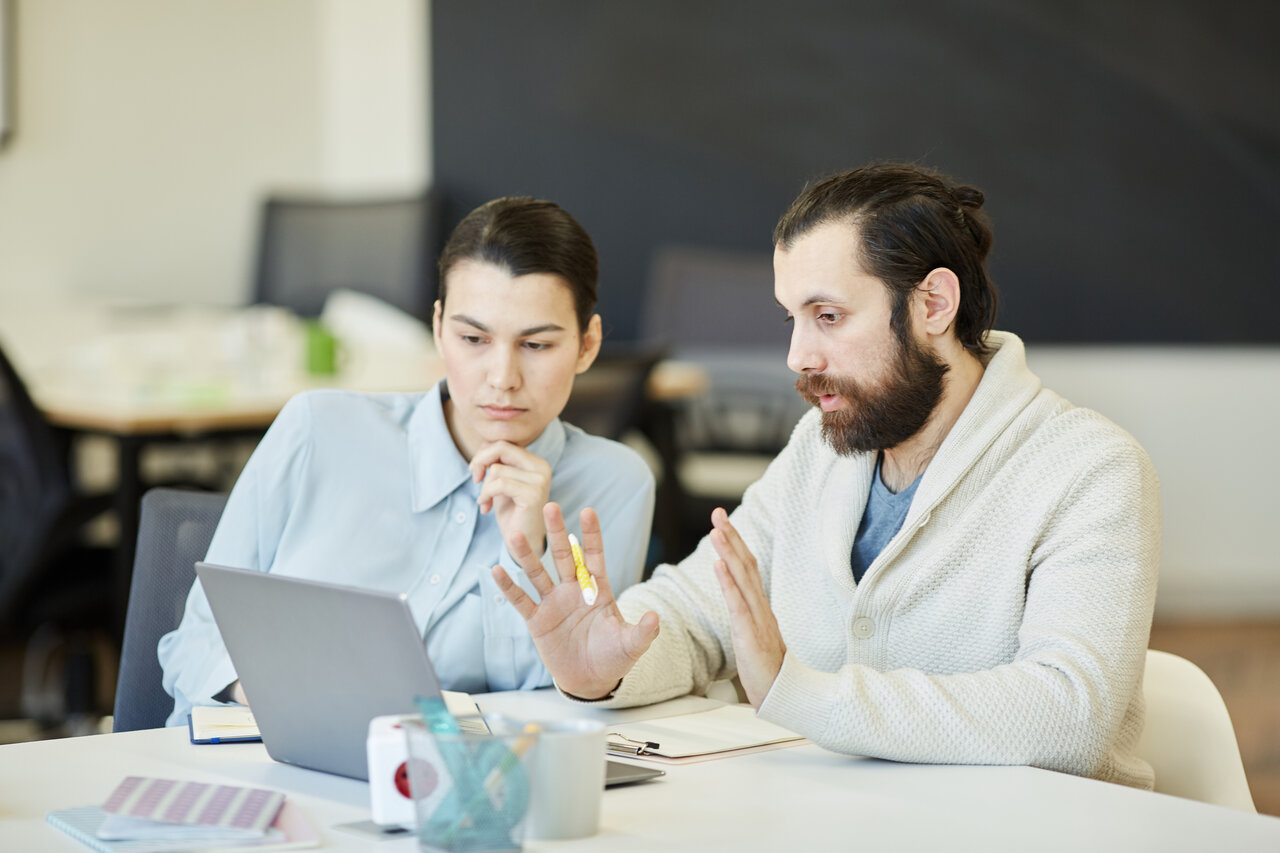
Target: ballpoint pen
[[585, 580]]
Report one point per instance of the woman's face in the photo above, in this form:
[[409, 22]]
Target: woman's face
[[511, 348]]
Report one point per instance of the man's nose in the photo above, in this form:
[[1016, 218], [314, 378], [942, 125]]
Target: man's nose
[[803, 356]]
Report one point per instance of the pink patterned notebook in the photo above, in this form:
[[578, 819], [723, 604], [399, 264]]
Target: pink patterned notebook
[[195, 803]]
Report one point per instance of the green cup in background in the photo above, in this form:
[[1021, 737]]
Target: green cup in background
[[322, 349]]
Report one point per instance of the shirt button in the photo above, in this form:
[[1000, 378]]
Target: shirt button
[[498, 598], [460, 517], [435, 579], [863, 628]]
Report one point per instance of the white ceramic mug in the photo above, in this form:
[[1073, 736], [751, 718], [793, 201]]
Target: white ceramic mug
[[568, 780]]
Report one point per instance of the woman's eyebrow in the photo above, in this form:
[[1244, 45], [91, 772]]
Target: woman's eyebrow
[[523, 333]]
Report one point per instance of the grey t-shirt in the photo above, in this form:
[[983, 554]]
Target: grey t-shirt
[[882, 519]]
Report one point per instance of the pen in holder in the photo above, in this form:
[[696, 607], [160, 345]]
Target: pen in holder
[[470, 792]]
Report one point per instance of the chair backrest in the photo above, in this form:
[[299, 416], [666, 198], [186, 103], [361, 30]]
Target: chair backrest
[[609, 398], [716, 308], [173, 533], [35, 486], [1189, 740], [712, 298], [310, 247]]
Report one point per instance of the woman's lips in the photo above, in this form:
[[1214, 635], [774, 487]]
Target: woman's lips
[[502, 413]]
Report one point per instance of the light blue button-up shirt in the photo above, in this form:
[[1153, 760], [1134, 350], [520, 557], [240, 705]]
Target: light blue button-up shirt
[[370, 490]]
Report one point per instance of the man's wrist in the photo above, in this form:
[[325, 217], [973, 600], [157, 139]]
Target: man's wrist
[[609, 695]]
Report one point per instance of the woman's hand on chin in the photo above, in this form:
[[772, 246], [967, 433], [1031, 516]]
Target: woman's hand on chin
[[517, 485]]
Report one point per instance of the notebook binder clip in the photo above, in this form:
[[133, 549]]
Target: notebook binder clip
[[631, 745]]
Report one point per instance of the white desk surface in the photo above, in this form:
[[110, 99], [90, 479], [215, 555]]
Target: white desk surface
[[795, 799]]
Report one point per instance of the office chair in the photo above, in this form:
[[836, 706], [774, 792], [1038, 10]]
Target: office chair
[[1189, 739], [716, 308], [610, 398], [174, 532], [310, 247], [55, 587]]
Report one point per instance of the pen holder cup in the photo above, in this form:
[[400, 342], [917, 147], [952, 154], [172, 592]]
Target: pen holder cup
[[470, 792]]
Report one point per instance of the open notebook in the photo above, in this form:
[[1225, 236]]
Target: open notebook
[[720, 732]]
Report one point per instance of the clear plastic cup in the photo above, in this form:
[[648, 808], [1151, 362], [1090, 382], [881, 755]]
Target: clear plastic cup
[[470, 792]]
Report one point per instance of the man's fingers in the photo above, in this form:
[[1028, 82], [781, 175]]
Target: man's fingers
[[641, 635], [558, 543], [720, 521], [745, 577], [733, 598], [738, 546], [593, 553], [518, 597], [532, 566]]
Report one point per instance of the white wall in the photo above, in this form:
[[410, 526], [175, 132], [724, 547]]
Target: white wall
[[374, 90], [147, 131], [1208, 418]]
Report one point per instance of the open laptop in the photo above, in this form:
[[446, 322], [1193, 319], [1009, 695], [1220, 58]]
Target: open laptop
[[319, 660]]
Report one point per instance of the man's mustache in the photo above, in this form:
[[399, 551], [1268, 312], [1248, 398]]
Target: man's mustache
[[812, 385]]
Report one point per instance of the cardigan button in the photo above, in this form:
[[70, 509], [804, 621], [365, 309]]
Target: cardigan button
[[863, 628]]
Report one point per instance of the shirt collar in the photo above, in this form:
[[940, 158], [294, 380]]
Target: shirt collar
[[437, 466]]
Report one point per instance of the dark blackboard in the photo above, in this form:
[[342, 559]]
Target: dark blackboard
[[1130, 151]]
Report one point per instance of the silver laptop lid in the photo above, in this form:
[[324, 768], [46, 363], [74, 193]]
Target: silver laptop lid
[[318, 661]]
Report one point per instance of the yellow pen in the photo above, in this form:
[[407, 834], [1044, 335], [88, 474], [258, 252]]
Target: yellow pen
[[585, 580]]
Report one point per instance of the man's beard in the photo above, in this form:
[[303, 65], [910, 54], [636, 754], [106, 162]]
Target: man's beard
[[880, 418]]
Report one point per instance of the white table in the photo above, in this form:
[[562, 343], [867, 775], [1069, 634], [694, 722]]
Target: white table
[[795, 799]]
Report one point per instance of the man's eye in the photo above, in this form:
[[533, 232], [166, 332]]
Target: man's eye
[[536, 346], [829, 317], [473, 339]]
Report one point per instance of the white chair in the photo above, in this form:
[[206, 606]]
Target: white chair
[[1189, 739]]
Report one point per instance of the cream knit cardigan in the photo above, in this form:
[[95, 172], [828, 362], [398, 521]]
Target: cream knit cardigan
[[1006, 622]]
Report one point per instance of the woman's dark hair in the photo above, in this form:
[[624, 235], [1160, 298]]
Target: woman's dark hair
[[911, 220], [524, 235]]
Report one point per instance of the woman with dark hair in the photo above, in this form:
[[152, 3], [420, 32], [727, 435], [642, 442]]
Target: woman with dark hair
[[423, 493]]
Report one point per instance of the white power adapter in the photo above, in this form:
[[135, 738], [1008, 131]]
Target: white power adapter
[[388, 752]]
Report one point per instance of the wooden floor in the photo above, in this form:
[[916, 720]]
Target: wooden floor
[[1243, 659]]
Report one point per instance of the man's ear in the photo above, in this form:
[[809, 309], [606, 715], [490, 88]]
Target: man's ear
[[437, 321], [591, 340], [937, 301]]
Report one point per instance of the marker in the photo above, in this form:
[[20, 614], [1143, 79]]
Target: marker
[[585, 580]]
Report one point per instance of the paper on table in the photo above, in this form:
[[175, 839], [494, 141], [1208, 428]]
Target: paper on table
[[291, 830], [718, 733], [222, 724], [233, 723]]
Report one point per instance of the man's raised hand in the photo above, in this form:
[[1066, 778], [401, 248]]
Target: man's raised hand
[[586, 648]]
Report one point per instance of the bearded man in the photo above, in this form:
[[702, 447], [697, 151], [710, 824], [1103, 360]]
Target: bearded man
[[947, 563]]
